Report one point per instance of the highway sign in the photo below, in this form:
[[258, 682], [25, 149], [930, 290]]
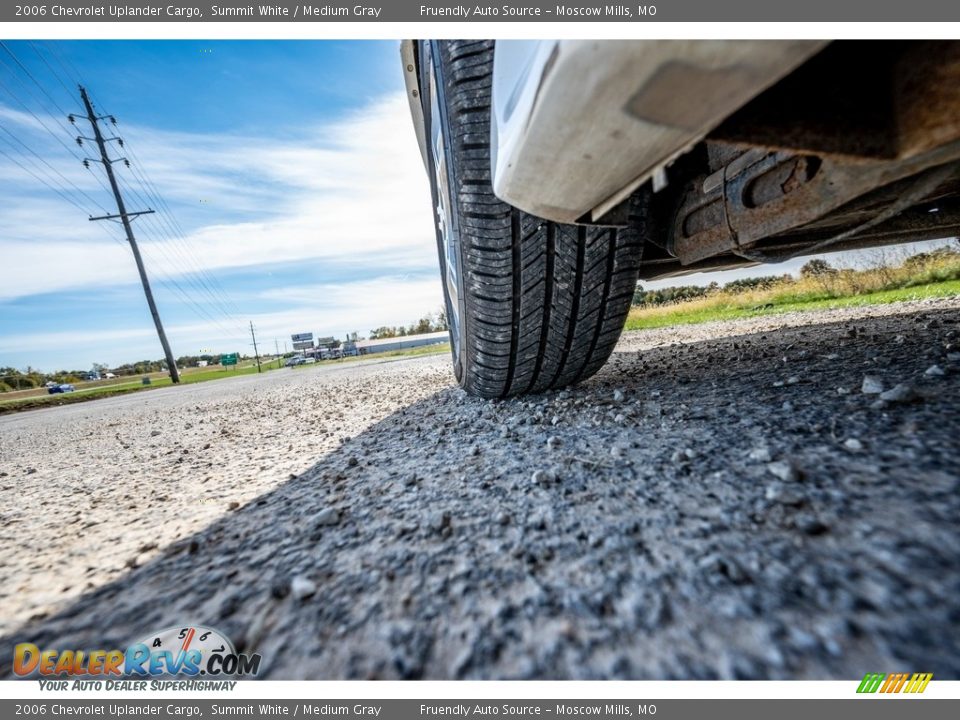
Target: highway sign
[[228, 359]]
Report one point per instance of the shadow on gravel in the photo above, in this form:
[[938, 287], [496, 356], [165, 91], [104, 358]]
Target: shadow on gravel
[[735, 508]]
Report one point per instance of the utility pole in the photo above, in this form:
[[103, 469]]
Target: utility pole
[[276, 345], [256, 354], [125, 219]]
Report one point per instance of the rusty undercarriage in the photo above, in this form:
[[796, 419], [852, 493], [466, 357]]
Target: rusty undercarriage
[[859, 147]]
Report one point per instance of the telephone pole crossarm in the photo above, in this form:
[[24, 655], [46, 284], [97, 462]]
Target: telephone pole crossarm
[[129, 215]]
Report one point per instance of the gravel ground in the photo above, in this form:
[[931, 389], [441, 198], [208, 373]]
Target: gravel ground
[[721, 501]]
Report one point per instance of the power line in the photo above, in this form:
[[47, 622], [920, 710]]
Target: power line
[[51, 69], [178, 234], [65, 180], [30, 75], [162, 237], [45, 182], [32, 114]]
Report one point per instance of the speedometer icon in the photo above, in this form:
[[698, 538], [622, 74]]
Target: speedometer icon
[[182, 639]]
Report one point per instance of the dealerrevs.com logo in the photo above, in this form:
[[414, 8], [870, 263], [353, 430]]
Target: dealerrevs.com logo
[[190, 651], [894, 683]]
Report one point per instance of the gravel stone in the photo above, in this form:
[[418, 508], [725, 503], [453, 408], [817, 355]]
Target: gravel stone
[[784, 470], [871, 385], [760, 454], [784, 495], [900, 393], [302, 587], [541, 477], [327, 516]]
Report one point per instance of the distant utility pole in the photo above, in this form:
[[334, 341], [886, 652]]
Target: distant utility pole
[[256, 354], [276, 345], [125, 219]]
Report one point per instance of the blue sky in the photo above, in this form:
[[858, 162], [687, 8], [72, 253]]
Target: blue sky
[[290, 168]]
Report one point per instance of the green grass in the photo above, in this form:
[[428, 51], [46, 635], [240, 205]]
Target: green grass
[[728, 306]]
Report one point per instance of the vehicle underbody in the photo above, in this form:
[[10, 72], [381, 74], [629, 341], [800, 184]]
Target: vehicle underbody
[[859, 147]]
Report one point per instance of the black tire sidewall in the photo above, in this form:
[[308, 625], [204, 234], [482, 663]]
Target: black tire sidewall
[[431, 70]]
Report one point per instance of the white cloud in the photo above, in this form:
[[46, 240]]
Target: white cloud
[[352, 191]]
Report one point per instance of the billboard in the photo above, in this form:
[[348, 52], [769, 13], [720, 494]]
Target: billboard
[[302, 337]]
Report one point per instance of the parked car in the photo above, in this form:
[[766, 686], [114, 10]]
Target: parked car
[[60, 388], [563, 171], [297, 360]]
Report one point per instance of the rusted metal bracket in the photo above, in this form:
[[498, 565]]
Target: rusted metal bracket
[[764, 194]]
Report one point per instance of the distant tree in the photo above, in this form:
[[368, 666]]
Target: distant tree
[[751, 283], [383, 332], [815, 268], [424, 325], [427, 324]]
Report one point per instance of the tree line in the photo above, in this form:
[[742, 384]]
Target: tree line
[[679, 293], [426, 324]]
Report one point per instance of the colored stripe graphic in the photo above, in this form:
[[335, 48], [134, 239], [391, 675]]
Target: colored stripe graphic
[[894, 682], [918, 683], [870, 683]]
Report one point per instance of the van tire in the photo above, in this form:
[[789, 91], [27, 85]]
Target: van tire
[[540, 305]]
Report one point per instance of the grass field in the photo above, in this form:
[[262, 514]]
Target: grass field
[[935, 278]]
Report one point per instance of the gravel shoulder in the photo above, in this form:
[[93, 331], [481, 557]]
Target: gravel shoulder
[[721, 501]]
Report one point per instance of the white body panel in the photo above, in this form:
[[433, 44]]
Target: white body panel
[[578, 125]]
